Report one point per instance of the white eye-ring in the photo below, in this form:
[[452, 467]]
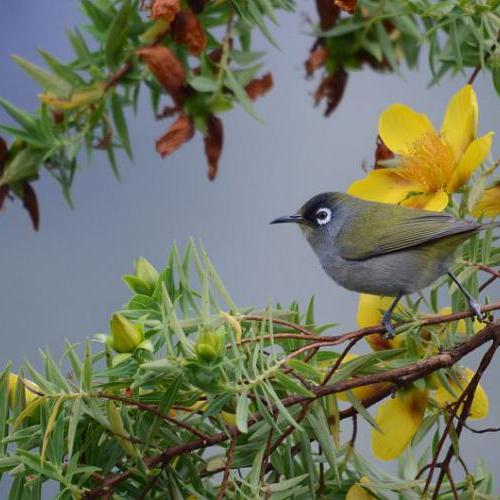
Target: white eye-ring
[[323, 216]]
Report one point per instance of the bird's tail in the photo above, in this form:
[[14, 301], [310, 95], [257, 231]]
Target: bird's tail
[[490, 225]]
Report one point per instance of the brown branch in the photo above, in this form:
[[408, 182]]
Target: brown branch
[[487, 283], [474, 74], [227, 467], [400, 376]]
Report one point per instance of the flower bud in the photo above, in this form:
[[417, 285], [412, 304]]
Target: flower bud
[[210, 344], [125, 336], [146, 272]]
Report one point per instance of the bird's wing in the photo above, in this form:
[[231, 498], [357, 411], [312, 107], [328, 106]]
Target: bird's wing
[[384, 230]]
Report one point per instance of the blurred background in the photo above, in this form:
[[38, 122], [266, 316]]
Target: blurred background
[[64, 281]]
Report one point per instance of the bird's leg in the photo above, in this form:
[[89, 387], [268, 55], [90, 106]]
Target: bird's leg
[[473, 303], [386, 318]]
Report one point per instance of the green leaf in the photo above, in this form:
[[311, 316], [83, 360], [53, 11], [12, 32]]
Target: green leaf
[[23, 166], [364, 413], [99, 17], [49, 82], [292, 386], [203, 84], [4, 407], [22, 117], [240, 94], [120, 123], [495, 73], [61, 70], [242, 407], [117, 35]]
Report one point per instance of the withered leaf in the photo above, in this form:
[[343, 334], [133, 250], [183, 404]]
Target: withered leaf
[[347, 5], [166, 68], [165, 10], [382, 152], [179, 132], [259, 87], [30, 203], [197, 6], [328, 13], [316, 59], [214, 141], [3, 153], [187, 30], [332, 89]]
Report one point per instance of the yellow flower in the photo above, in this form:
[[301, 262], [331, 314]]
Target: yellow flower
[[480, 403], [489, 204], [399, 419], [370, 311], [357, 492], [364, 391], [431, 165]]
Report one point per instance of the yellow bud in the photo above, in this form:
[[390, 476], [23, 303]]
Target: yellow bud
[[146, 272], [125, 336]]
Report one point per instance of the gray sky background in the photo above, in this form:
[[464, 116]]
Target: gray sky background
[[64, 281]]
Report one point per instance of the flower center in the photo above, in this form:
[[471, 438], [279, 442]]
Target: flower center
[[429, 162]]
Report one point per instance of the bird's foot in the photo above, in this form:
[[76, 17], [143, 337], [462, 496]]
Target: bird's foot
[[475, 308], [390, 331]]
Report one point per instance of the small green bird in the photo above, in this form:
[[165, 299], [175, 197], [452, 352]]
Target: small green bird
[[383, 249]]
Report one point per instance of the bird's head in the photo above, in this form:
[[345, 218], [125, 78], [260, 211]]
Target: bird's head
[[316, 215]]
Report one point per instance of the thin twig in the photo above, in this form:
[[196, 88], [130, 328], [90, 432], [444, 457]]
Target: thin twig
[[227, 467]]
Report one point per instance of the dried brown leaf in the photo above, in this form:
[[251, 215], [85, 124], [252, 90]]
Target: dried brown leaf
[[187, 30], [382, 152], [328, 13], [346, 5], [166, 68], [179, 132], [259, 87], [316, 59], [332, 89], [165, 10], [214, 141], [3, 153], [30, 203], [197, 6]]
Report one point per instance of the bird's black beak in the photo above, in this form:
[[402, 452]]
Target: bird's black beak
[[288, 218]]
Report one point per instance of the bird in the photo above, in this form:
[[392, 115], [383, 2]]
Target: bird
[[383, 249]]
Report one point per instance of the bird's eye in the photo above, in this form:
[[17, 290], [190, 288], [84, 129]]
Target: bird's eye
[[323, 216]]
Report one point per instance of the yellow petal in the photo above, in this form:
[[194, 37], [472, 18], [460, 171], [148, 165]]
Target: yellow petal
[[399, 420], [437, 201], [386, 185], [366, 391], [400, 127], [489, 204], [472, 158], [480, 403], [369, 314], [460, 120], [356, 492]]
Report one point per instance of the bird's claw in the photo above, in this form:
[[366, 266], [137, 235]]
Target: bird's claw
[[390, 332], [475, 308]]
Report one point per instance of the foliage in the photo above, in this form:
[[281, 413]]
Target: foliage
[[201, 391], [199, 54]]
